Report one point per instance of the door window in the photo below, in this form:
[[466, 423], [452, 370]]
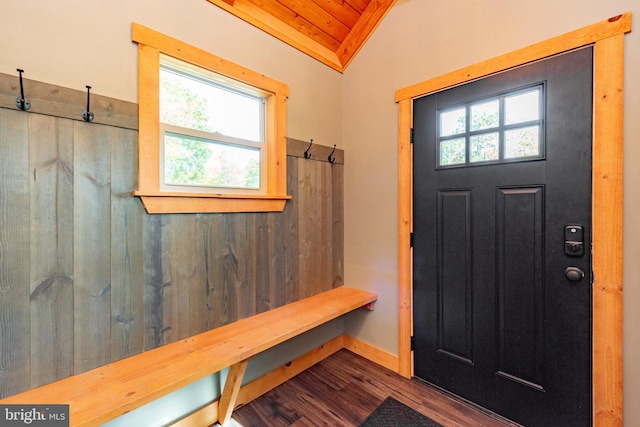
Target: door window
[[503, 128]]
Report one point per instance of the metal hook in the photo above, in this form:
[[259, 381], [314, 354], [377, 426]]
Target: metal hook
[[22, 103], [307, 154], [87, 115], [332, 159]]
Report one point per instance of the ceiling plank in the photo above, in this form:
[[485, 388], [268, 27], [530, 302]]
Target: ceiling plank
[[298, 22], [359, 5], [315, 33], [340, 10], [252, 14], [318, 17], [366, 25]]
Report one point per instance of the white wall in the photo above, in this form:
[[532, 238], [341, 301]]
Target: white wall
[[421, 39], [74, 43]]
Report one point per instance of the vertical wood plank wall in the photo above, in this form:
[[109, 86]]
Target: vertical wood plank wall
[[88, 277]]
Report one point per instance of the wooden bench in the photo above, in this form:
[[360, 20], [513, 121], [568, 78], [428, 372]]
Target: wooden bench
[[105, 393]]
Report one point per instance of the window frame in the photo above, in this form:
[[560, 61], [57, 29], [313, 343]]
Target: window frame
[[151, 44]]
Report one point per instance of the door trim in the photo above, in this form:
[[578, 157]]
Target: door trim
[[607, 37]]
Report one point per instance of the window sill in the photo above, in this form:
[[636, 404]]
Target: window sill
[[156, 203]]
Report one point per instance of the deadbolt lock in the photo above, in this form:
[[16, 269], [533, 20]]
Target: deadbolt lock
[[574, 240]]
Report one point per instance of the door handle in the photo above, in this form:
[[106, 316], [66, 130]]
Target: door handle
[[574, 273]]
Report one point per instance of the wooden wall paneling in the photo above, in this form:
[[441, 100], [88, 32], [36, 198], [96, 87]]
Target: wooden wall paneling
[[238, 285], [306, 226], [265, 254], [269, 261], [227, 266], [198, 304], [127, 291], [91, 245], [280, 284], [212, 228], [51, 248], [179, 258], [337, 226], [315, 238], [261, 254], [170, 277], [255, 253], [153, 282], [333, 239], [58, 101], [107, 280], [325, 275], [197, 300], [203, 302], [289, 238], [230, 246], [14, 253]]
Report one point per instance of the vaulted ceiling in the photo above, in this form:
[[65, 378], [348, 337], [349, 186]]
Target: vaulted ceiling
[[331, 31]]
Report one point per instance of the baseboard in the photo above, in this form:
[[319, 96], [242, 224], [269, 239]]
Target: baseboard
[[374, 354], [208, 414], [205, 416]]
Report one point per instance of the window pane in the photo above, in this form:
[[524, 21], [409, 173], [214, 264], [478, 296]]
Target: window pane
[[192, 102], [200, 162], [523, 107], [485, 115], [485, 147], [452, 151], [523, 142], [452, 122]]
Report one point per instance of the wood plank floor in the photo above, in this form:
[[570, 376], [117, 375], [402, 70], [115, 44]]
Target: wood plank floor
[[343, 390]]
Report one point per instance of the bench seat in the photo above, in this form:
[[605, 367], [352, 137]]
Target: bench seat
[[107, 392]]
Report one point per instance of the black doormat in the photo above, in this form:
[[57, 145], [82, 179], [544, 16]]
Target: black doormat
[[392, 413]]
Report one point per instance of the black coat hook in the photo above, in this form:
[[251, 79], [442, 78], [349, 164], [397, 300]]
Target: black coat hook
[[22, 103], [307, 154], [87, 115], [332, 159]]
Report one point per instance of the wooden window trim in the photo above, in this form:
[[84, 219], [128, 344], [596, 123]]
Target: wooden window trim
[[150, 45], [607, 38]]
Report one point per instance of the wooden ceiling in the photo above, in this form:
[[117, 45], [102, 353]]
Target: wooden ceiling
[[331, 31]]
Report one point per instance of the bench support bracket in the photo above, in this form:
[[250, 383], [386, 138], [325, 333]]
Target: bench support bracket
[[230, 393]]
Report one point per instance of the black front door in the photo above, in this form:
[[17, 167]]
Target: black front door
[[502, 241]]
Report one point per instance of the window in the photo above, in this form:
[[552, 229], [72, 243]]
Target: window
[[211, 133], [504, 128]]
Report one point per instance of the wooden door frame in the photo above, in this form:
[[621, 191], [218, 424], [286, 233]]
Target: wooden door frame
[[607, 39]]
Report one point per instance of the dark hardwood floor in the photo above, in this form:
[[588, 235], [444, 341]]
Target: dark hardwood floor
[[343, 390]]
